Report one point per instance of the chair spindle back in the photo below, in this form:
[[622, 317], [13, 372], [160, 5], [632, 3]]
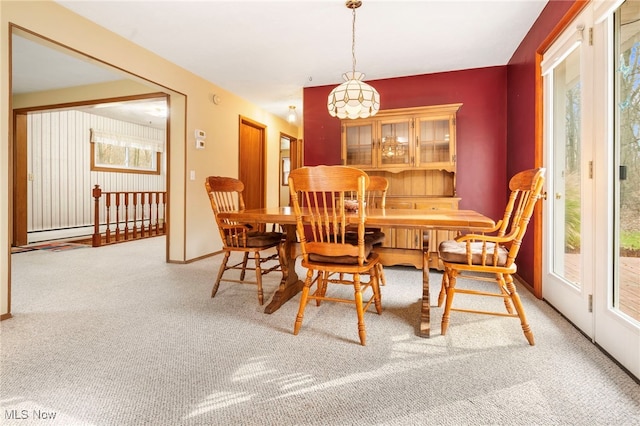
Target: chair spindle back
[[323, 191]]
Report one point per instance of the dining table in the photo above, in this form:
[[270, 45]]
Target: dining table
[[422, 219]]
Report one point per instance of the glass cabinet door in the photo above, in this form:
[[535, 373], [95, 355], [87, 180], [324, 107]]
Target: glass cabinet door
[[435, 142], [394, 146], [358, 143]]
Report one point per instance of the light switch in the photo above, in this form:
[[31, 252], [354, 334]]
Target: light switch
[[192, 175]]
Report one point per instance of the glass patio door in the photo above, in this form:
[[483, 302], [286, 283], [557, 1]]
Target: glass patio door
[[567, 261], [617, 307], [591, 229]]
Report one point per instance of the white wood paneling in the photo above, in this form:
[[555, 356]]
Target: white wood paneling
[[60, 179]]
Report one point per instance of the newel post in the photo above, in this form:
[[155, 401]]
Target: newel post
[[97, 239]]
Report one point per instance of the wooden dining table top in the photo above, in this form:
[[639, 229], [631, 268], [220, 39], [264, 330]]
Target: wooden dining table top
[[407, 218]]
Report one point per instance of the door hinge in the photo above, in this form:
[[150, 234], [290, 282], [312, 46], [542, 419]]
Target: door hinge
[[591, 303], [590, 36], [591, 169]]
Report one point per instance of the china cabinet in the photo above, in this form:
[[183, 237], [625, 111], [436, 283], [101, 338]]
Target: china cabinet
[[415, 149]]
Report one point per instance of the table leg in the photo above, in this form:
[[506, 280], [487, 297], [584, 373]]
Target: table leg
[[290, 285], [425, 314]]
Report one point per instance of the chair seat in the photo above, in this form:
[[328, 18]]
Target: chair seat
[[372, 237], [456, 252], [260, 239], [342, 260]]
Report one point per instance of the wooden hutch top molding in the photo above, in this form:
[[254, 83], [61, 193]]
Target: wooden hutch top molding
[[446, 108]]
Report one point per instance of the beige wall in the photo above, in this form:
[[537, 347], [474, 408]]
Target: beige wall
[[112, 89], [192, 231]]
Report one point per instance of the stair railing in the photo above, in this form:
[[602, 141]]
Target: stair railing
[[127, 215]]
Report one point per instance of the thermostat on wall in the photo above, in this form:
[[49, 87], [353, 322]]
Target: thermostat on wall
[[201, 134]]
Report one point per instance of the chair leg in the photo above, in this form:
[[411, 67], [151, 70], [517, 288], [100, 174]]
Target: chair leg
[[223, 267], [321, 286], [515, 298], [451, 290], [383, 279], [377, 298], [258, 277], [282, 261], [245, 258], [443, 288], [303, 301], [362, 332], [505, 294]]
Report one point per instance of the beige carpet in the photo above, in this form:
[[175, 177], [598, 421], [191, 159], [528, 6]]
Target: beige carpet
[[116, 336]]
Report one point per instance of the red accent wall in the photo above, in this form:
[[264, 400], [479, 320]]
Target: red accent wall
[[495, 124], [521, 78], [481, 126]]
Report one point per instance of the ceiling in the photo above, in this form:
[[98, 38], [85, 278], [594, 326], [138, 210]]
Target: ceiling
[[267, 51]]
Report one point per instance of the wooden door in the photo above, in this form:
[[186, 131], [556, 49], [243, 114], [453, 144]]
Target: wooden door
[[252, 162]]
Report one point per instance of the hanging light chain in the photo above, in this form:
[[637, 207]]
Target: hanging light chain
[[353, 5], [353, 40]]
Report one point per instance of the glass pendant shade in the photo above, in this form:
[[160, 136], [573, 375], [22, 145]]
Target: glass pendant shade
[[354, 98], [292, 116]]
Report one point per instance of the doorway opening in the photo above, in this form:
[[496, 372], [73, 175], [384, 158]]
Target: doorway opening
[[290, 159], [54, 169]]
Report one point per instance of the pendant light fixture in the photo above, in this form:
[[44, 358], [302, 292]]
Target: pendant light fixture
[[354, 98], [292, 116]]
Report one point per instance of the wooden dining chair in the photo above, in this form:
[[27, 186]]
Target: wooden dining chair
[[321, 226], [225, 194], [472, 255]]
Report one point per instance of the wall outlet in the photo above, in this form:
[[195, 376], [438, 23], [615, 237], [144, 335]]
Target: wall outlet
[[199, 143]]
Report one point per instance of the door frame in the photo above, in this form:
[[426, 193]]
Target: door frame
[[569, 16], [295, 157], [20, 155], [246, 159]]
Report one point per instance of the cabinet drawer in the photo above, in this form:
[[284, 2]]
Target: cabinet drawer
[[399, 204], [437, 205]]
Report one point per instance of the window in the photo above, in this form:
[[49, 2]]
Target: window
[[112, 152]]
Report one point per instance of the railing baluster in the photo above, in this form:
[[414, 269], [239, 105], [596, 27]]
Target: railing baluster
[[135, 215], [96, 238], [126, 216], [141, 217], [144, 207], [107, 207], [157, 199], [164, 212], [117, 216]]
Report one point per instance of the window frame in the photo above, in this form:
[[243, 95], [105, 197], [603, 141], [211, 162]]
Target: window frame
[[118, 169]]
